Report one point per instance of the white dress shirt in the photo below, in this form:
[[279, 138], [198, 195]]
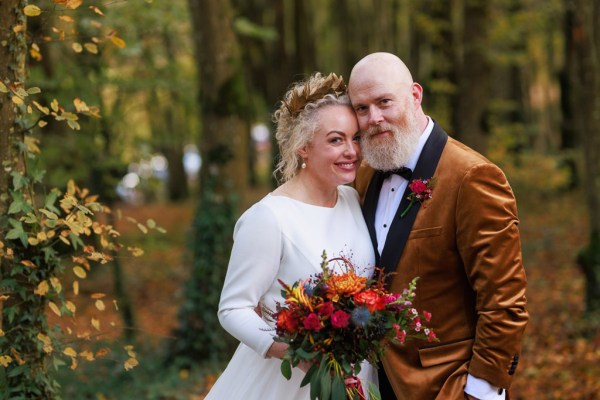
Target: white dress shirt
[[390, 197]]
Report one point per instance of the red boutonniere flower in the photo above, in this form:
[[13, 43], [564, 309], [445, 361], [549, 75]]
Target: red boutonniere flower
[[421, 190]]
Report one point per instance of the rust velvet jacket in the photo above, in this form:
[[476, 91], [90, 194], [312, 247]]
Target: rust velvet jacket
[[464, 246]]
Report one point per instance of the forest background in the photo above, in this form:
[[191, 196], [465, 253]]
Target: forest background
[[163, 110]]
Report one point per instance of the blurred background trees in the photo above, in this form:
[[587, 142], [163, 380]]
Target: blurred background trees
[[186, 90]]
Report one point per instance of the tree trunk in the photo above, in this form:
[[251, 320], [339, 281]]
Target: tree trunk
[[32, 380], [224, 153], [473, 77], [586, 95]]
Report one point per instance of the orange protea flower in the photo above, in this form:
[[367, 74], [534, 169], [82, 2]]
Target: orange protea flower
[[345, 284]]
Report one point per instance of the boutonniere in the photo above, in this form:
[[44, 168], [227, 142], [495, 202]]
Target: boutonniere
[[420, 190]]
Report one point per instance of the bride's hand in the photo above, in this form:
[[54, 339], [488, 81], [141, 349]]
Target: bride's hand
[[305, 365]]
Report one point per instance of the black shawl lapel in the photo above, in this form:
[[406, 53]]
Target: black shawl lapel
[[369, 207], [401, 227]]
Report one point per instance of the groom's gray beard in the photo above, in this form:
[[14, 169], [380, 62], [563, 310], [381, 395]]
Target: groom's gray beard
[[394, 151]]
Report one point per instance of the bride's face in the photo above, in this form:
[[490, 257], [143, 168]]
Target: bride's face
[[333, 156]]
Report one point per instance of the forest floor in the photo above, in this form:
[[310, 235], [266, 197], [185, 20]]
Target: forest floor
[[561, 351]]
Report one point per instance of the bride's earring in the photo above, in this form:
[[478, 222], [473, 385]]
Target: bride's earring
[[303, 166]]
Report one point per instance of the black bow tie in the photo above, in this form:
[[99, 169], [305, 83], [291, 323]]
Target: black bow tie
[[404, 172]]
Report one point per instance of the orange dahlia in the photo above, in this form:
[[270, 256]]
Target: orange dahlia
[[346, 284]]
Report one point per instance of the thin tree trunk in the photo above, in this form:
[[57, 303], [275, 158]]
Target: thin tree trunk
[[586, 37], [473, 77]]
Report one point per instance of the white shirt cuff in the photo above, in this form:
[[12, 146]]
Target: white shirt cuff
[[481, 389]]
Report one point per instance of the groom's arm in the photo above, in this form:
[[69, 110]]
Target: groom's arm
[[489, 244]]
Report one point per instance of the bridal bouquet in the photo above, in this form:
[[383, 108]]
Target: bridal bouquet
[[335, 321]]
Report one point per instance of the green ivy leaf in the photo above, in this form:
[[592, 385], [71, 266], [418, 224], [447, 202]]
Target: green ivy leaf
[[19, 180], [17, 232]]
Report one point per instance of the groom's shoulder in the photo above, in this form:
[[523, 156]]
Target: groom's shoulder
[[461, 156]]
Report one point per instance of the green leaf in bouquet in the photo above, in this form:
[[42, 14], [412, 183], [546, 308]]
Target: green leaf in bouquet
[[306, 355], [338, 389], [325, 386], [315, 385], [373, 391], [346, 366], [286, 369], [311, 371]]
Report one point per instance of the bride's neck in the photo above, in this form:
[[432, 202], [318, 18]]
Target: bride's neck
[[308, 191]]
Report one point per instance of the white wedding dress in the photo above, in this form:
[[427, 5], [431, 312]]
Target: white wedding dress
[[281, 238]]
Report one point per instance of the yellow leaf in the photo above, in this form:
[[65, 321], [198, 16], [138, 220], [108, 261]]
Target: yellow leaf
[[32, 147], [80, 105], [77, 47], [88, 355], [42, 288], [117, 41], [69, 351], [100, 305], [43, 109], [80, 272], [73, 4], [35, 54], [33, 241], [41, 236], [54, 105], [64, 240], [96, 324], [142, 228], [28, 263], [17, 356], [66, 18], [116, 305], [3, 88], [18, 28], [130, 364], [46, 341], [97, 295], [70, 306], [5, 360], [151, 223], [1, 333], [55, 282], [32, 11], [96, 10], [102, 352], [73, 363], [91, 48], [135, 251], [54, 308], [42, 124], [17, 100], [75, 288]]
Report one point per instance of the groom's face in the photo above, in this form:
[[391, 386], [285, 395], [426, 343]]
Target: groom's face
[[387, 118]]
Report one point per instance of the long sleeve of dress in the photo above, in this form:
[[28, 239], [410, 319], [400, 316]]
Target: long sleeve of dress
[[253, 266]]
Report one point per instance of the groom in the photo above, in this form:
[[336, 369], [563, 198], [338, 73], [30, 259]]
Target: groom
[[463, 242]]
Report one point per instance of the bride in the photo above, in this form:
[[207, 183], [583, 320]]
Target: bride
[[284, 234]]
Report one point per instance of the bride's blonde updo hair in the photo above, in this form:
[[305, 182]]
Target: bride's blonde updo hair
[[296, 118]]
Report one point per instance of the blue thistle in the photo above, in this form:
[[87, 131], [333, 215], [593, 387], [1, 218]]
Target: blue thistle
[[360, 316], [309, 290]]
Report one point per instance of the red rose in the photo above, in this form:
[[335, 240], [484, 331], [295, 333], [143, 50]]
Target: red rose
[[371, 299], [326, 309], [418, 186], [286, 322], [312, 322], [340, 319]]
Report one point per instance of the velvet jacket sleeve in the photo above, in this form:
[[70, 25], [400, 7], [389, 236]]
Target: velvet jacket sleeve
[[489, 244]]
